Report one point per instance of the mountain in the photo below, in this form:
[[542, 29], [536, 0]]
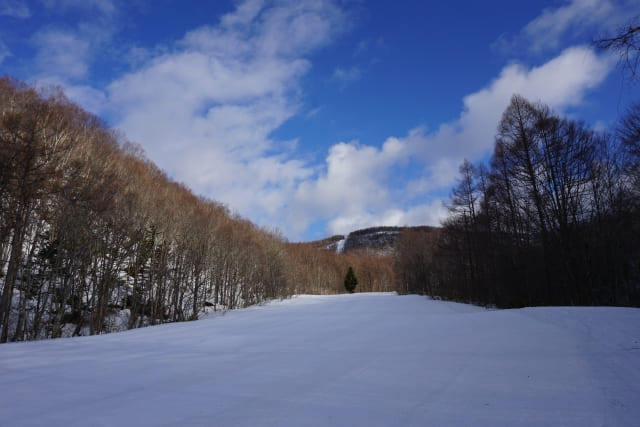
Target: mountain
[[381, 240]]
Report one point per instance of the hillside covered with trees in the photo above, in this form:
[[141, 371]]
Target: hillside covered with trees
[[90, 229]]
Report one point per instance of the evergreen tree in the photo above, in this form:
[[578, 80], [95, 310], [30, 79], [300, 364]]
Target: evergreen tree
[[350, 281]]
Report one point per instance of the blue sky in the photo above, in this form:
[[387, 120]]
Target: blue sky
[[322, 116]]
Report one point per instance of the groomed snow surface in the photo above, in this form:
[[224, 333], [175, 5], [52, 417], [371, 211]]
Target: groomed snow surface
[[347, 360]]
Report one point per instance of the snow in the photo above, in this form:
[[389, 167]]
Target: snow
[[340, 245], [346, 360]]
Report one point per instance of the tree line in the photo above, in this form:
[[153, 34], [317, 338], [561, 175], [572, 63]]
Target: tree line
[[553, 218], [318, 271]]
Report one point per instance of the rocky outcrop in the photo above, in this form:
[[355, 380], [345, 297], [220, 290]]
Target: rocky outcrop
[[381, 240]]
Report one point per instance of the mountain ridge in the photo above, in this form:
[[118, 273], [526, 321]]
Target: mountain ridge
[[380, 239]]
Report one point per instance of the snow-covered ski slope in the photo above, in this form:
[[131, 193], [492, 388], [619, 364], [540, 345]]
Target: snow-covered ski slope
[[348, 360]]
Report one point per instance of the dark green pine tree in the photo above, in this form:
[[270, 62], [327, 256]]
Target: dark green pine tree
[[350, 281]]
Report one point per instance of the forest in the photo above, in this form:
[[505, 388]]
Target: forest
[[552, 219], [95, 238]]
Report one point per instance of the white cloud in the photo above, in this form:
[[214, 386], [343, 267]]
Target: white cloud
[[91, 99], [561, 82], [354, 180], [205, 109], [346, 75], [67, 50], [547, 29], [355, 191], [66, 56], [14, 9], [581, 19], [4, 51], [61, 54], [104, 6]]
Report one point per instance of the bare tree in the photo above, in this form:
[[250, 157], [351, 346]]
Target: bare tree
[[552, 222], [626, 43]]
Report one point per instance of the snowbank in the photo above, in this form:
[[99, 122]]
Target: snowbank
[[362, 359]]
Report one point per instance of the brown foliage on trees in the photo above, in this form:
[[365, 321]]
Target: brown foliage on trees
[[89, 226], [317, 271]]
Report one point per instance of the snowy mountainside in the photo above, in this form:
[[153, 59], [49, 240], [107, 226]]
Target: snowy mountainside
[[341, 360], [380, 240]]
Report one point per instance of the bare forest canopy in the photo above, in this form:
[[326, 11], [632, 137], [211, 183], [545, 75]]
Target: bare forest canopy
[[95, 238], [552, 219]]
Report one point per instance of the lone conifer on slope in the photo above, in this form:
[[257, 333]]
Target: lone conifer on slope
[[350, 281]]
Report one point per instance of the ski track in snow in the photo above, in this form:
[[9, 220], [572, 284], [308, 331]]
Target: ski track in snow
[[347, 360]]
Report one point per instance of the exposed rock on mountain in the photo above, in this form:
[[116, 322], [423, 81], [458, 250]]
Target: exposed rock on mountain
[[381, 240]]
